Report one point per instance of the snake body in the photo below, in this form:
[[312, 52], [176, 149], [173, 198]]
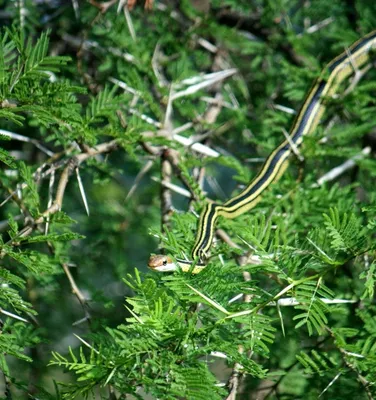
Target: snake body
[[307, 119]]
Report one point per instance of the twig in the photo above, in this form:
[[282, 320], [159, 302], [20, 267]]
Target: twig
[[314, 28], [198, 83], [166, 201], [11, 315], [162, 81], [91, 44], [7, 384], [359, 73], [173, 187], [124, 86], [285, 109], [129, 23], [220, 101], [361, 379], [143, 171], [292, 301], [82, 191], [211, 114], [207, 45], [14, 196], [330, 383], [76, 9], [198, 147], [76, 291], [293, 146], [233, 383], [173, 157], [22, 138], [337, 171], [226, 238], [236, 375], [73, 163], [50, 199]]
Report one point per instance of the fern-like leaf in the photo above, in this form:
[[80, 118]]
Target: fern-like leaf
[[314, 309]]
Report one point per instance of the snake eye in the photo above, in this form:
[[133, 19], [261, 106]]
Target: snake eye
[[164, 262]]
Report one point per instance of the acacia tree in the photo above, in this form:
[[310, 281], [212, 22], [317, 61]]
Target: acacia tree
[[117, 127]]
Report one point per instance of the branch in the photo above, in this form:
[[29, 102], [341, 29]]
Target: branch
[[56, 206], [361, 379]]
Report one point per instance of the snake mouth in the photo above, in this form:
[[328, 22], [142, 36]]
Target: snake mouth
[[165, 268], [162, 263]]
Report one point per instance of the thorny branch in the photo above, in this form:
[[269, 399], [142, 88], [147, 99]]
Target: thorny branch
[[72, 163], [345, 357]]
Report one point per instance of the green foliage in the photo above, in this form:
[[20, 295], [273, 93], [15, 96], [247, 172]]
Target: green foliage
[[89, 119], [316, 363], [346, 234], [313, 307], [145, 347]]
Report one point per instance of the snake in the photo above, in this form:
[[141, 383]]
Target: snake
[[306, 120]]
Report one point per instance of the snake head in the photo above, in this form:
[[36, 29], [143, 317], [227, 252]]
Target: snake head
[[161, 263]]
